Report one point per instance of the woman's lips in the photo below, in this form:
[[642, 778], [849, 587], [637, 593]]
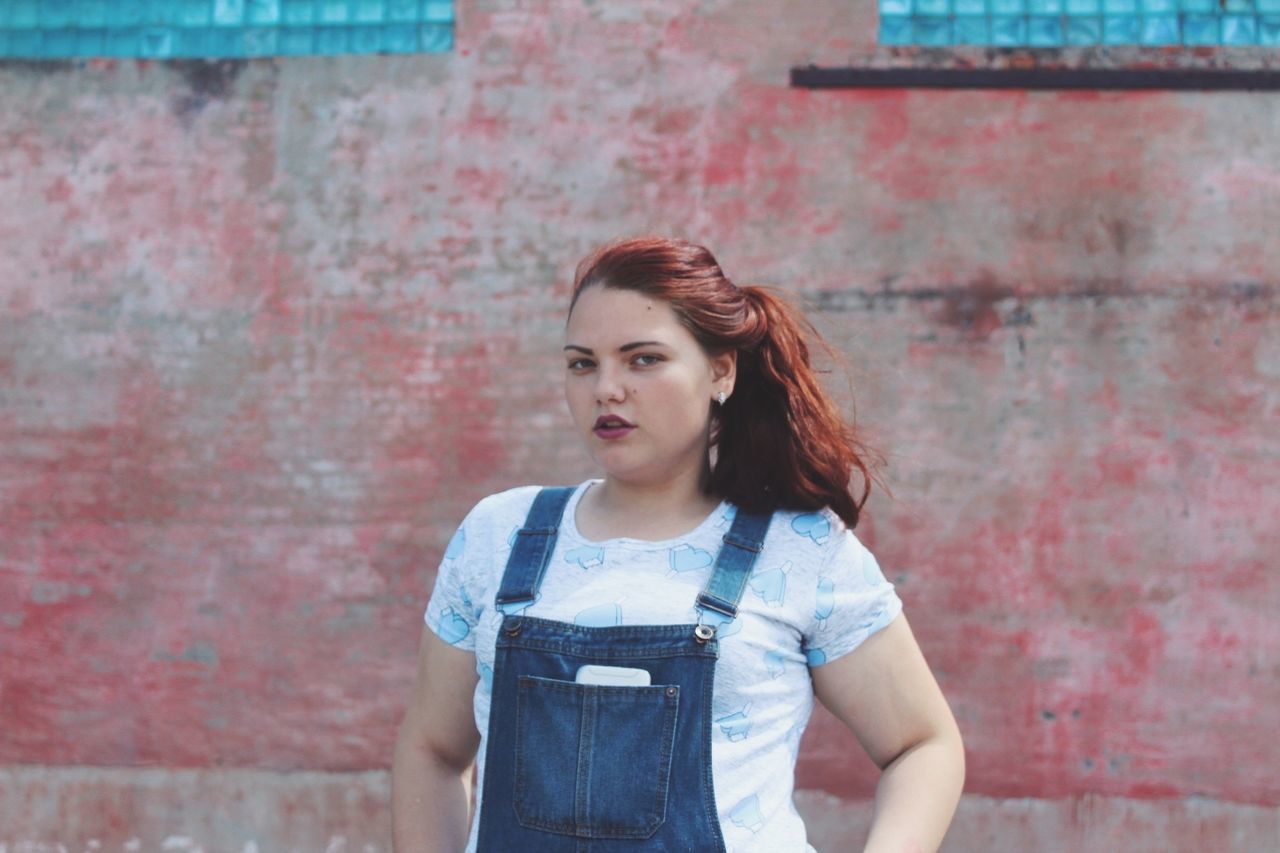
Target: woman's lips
[[611, 427]]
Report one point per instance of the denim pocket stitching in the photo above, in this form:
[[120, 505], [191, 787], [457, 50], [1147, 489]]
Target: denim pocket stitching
[[668, 706]]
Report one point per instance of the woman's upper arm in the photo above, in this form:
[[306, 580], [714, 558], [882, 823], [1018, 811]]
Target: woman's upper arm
[[884, 692], [440, 718]]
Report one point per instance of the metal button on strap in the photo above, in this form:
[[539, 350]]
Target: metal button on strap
[[513, 628], [704, 633], [671, 691]]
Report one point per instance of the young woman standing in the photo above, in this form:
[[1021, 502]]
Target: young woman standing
[[633, 660]]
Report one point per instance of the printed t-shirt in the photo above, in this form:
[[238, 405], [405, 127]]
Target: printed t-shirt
[[815, 594]]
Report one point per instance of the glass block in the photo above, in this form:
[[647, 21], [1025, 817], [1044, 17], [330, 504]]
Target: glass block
[[1271, 6], [59, 44], [1120, 29], [368, 12], [1044, 31], [57, 13], [1159, 7], [1044, 7], [1269, 30], [1008, 7], [435, 38], [297, 41], [194, 42], [971, 31], [1199, 29], [366, 39], [398, 38], [162, 13], [403, 10], [228, 13], [92, 13], [262, 11], [26, 44], [932, 8], [298, 11], [331, 40], [1084, 7], [1204, 7], [226, 42], [1161, 29], [895, 7], [1119, 7], [261, 41], [1237, 7], [932, 32], [966, 8], [1084, 30], [157, 42], [91, 42], [1008, 31], [21, 14], [895, 29], [333, 12], [1239, 29], [128, 13], [123, 41], [438, 12], [194, 13]]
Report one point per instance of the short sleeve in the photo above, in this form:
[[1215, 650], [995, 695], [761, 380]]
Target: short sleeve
[[451, 613], [853, 601]]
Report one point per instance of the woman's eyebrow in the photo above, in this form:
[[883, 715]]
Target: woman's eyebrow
[[623, 348]]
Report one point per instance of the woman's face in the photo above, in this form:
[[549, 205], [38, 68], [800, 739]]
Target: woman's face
[[628, 357]]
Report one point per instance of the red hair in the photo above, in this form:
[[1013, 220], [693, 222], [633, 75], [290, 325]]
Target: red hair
[[780, 441]]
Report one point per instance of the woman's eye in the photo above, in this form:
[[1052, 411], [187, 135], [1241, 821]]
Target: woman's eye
[[647, 360], [579, 364]]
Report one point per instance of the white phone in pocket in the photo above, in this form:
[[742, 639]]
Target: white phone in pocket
[[615, 676]]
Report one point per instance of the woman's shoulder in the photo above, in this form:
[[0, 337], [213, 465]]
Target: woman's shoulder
[[504, 508], [816, 532]]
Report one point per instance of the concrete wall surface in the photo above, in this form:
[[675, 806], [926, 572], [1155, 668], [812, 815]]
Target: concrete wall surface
[[268, 329]]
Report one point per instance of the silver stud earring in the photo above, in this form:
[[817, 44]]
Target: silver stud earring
[[720, 398]]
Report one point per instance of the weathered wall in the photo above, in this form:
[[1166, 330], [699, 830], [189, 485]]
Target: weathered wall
[[268, 330]]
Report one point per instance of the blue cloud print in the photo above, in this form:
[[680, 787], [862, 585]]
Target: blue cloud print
[[814, 525], [600, 616], [746, 814], [457, 545], [586, 556], [815, 657], [451, 627], [686, 558], [871, 571], [736, 725], [825, 601], [774, 663], [771, 585]]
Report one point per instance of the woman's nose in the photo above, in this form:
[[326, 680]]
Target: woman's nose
[[608, 386]]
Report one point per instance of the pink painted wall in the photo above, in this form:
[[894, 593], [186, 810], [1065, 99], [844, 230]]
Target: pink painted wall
[[267, 332]]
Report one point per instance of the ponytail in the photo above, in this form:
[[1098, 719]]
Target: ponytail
[[780, 441]]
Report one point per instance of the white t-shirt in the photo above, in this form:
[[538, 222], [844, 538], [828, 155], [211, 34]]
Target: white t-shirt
[[815, 593]]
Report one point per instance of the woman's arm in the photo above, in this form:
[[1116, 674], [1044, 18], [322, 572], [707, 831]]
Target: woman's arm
[[431, 773], [884, 692]]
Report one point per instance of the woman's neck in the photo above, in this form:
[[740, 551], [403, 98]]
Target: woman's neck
[[617, 508]]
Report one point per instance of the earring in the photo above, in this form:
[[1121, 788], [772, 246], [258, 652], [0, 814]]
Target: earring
[[720, 398]]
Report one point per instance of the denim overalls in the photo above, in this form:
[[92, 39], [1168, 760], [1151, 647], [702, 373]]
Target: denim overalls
[[587, 768]]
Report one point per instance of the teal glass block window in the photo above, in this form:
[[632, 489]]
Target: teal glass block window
[[1080, 23], [230, 29]]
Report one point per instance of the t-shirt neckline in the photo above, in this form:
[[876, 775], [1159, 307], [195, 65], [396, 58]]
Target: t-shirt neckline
[[569, 524]]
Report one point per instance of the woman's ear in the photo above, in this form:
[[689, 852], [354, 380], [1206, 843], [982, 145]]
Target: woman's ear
[[724, 370]]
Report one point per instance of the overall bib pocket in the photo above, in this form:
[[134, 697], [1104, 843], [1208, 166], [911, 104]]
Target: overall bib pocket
[[593, 761]]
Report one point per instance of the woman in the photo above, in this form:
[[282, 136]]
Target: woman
[[633, 660]]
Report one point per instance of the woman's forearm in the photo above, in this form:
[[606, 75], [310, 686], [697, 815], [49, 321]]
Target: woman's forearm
[[917, 796], [430, 801]]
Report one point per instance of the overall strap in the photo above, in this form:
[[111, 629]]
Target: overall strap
[[718, 602], [532, 549]]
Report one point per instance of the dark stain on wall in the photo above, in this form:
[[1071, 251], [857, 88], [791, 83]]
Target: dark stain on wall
[[206, 80]]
